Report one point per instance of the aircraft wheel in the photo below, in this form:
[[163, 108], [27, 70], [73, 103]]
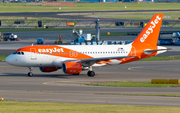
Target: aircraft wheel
[[91, 73], [76, 74], [30, 74]]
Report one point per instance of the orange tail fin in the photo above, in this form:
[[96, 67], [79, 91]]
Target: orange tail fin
[[149, 35]]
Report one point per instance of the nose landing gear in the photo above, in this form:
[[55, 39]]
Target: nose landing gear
[[30, 74]]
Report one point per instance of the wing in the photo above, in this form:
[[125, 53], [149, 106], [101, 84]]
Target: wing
[[91, 61], [88, 62]]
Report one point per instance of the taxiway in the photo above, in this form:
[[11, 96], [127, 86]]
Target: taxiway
[[58, 87]]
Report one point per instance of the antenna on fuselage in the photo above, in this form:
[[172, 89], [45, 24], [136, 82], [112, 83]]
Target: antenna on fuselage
[[32, 44]]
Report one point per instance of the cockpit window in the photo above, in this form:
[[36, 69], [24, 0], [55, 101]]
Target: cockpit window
[[19, 53]]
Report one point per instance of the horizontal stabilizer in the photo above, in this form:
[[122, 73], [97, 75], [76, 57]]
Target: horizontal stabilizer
[[157, 50], [160, 50]]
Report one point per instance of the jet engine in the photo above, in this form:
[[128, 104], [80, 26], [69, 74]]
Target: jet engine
[[48, 69], [72, 67]]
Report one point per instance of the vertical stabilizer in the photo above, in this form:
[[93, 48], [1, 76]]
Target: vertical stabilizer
[[149, 35]]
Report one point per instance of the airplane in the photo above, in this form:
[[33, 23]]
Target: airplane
[[73, 59]]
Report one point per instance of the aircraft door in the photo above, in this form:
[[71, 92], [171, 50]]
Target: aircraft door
[[73, 53], [33, 54]]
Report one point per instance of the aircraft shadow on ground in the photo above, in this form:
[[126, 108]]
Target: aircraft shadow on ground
[[42, 75]]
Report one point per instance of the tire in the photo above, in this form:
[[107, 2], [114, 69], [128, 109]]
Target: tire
[[76, 74], [30, 74], [91, 73]]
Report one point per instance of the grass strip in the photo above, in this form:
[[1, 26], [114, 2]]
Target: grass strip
[[126, 33], [133, 84], [161, 58], [3, 57], [138, 15], [46, 107], [164, 95], [88, 6], [115, 34], [38, 29]]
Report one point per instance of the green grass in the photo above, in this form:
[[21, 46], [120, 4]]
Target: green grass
[[22, 7], [159, 58], [38, 29], [115, 34], [3, 57], [17, 17], [133, 84], [124, 33], [139, 15], [49, 107], [164, 95]]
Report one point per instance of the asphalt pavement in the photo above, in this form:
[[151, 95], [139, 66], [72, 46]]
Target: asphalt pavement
[[59, 87]]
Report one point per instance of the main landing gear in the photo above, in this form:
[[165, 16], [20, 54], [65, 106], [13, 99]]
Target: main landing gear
[[30, 74], [90, 73]]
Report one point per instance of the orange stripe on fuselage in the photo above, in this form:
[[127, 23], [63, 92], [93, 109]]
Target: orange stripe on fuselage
[[51, 49]]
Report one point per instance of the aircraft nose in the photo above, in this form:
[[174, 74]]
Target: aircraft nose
[[9, 59]]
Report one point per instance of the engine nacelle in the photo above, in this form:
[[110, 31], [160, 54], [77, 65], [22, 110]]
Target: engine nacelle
[[71, 67], [48, 69]]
